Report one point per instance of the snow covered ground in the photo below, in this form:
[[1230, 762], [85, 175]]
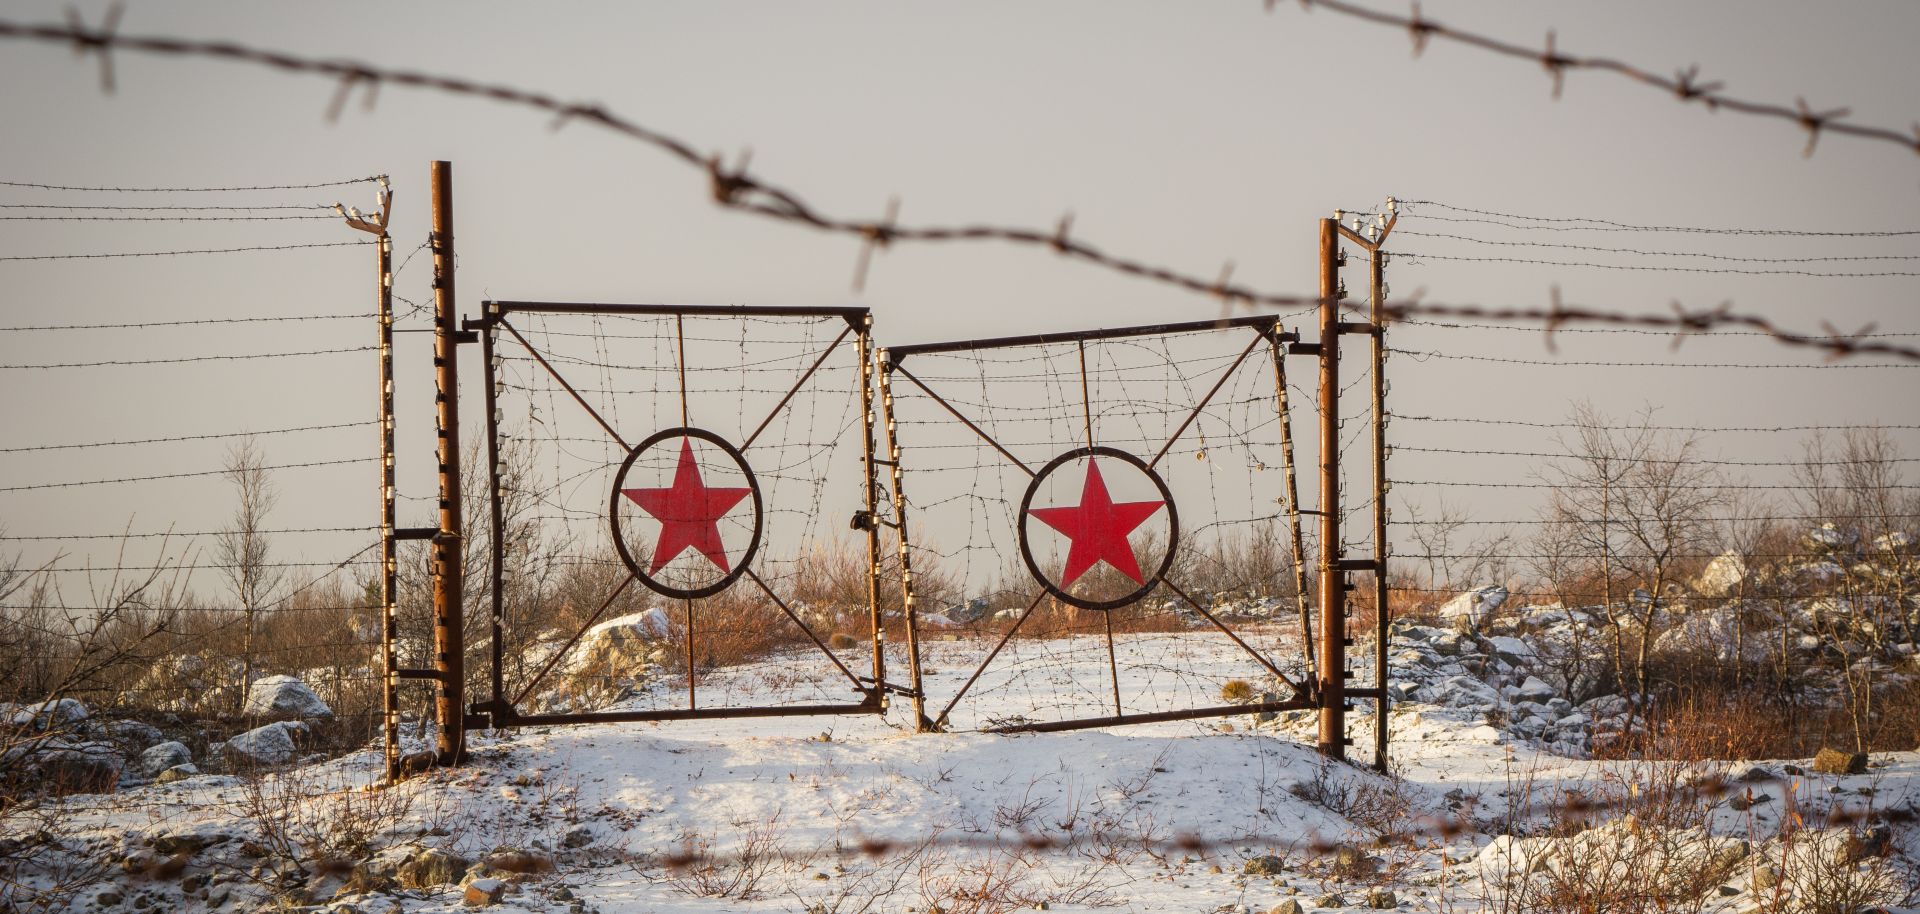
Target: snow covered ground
[[850, 814]]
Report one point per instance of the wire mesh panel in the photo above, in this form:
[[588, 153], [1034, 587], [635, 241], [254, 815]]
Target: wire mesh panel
[[679, 504], [1089, 516]]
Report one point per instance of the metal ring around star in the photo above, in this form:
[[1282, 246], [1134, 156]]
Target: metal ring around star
[[620, 541], [1173, 528]]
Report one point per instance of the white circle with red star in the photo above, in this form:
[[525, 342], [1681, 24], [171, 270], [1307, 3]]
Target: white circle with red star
[[1113, 517], [686, 513]]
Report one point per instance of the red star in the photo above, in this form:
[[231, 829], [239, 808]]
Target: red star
[[1098, 528], [689, 513]]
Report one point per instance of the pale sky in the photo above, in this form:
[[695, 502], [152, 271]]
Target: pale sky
[[1182, 134]]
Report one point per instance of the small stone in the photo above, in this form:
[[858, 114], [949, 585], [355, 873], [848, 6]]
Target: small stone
[[178, 773], [577, 837], [1833, 761], [1382, 899], [432, 867], [483, 892], [1727, 891], [562, 894], [108, 898], [1267, 865], [1215, 869], [1351, 861], [519, 862], [1289, 906], [1765, 876], [1330, 901]]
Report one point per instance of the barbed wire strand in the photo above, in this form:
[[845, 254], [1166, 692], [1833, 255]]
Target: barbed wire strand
[[738, 189]]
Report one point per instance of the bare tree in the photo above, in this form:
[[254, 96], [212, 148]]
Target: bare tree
[[244, 547], [1636, 502]]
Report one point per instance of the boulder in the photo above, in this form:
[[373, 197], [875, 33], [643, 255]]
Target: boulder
[[273, 744], [1289, 906], [1267, 865], [1382, 899], [1721, 575], [1534, 689], [1833, 761], [432, 866], [166, 755], [481, 893], [1510, 649], [177, 773], [52, 714], [86, 768], [1470, 609], [283, 698]]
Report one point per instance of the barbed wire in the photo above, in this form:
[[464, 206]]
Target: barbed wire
[[198, 473], [1409, 209], [143, 325], [167, 209], [165, 534], [155, 219], [1414, 322], [1644, 253], [1685, 85], [371, 179], [1424, 355], [182, 253], [1653, 487], [207, 437], [1649, 268], [197, 358], [737, 188], [1480, 420], [1548, 521], [1688, 461]]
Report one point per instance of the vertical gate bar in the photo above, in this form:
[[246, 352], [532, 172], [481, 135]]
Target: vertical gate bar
[[1086, 397], [876, 627], [1298, 543], [680, 363], [1113, 665], [496, 519], [692, 703], [1377, 300], [909, 615], [449, 633], [1333, 598], [389, 547]]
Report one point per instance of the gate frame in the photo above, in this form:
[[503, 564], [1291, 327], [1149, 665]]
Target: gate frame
[[500, 711], [1280, 342]]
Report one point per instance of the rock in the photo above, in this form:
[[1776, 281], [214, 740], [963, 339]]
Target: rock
[[1871, 841], [1289, 906], [1749, 772], [1534, 689], [87, 768], [1765, 876], [518, 862], [177, 773], [1382, 899], [1330, 900], [1513, 651], [283, 698], [577, 837], [273, 744], [134, 735], [166, 755], [1833, 761], [1745, 800], [1470, 609], [483, 892], [432, 867], [1265, 866], [187, 842], [52, 714], [1351, 861], [1727, 891], [1721, 575]]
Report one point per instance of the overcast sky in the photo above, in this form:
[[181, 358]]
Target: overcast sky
[[1183, 134]]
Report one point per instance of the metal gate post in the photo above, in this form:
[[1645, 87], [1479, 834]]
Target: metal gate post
[[449, 616], [909, 613], [1332, 691]]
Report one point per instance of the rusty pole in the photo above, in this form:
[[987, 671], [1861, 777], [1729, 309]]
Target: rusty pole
[[1333, 598], [1377, 300], [449, 618]]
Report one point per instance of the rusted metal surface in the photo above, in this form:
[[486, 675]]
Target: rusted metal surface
[[1333, 597], [1295, 538], [502, 712], [449, 618], [497, 558], [1264, 707], [1256, 321], [909, 611]]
